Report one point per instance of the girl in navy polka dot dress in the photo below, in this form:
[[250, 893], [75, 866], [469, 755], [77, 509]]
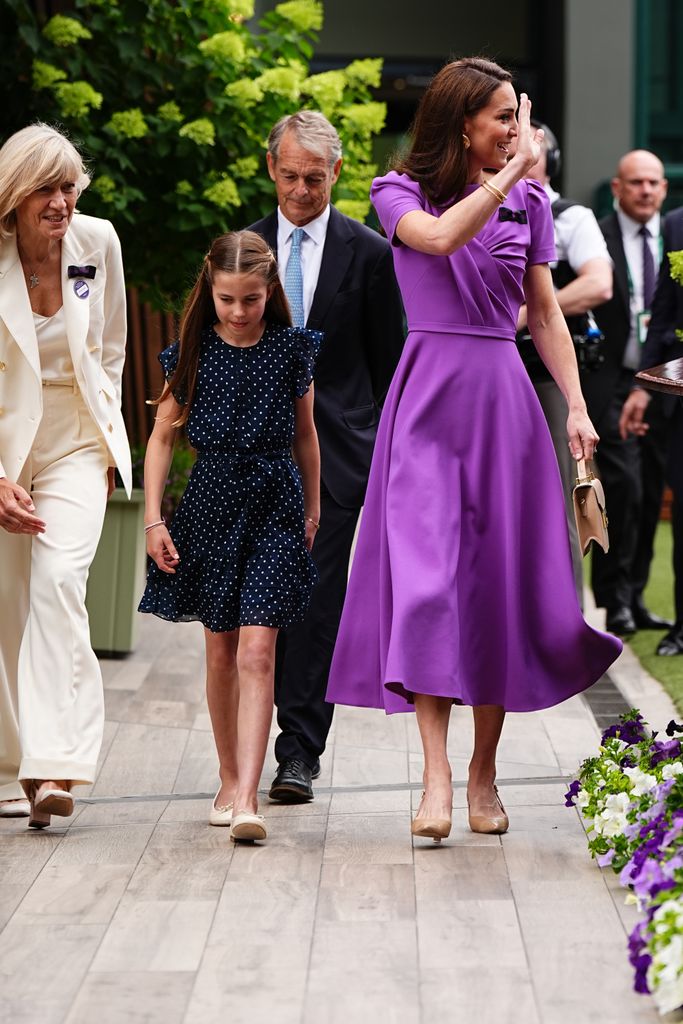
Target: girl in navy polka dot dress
[[237, 556]]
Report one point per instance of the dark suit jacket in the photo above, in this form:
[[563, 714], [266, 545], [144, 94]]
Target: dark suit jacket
[[661, 343], [358, 307], [614, 320]]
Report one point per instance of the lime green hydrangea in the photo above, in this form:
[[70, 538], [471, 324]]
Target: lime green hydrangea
[[285, 81], [45, 75], [76, 99], [245, 167], [130, 124], [234, 9], [326, 89], [676, 264], [223, 193], [365, 72], [185, 188], [365, 119], [356, 208], [225, 46], [170, 112], [201, 132], [304, 15], [245, 91], [63, 31], [105, 186]]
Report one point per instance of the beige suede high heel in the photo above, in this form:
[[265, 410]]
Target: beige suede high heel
[[489, 824]]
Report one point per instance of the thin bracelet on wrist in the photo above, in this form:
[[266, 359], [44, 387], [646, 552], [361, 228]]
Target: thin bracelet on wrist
[[494, 191], [160, 522], [312, 522]]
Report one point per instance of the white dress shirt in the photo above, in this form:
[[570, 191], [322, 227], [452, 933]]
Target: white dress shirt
[[578, 237], [312, 245], [633, 250]]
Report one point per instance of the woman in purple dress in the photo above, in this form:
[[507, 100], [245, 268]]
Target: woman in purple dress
[[462, 588]]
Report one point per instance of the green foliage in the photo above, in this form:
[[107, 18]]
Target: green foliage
[[171, 102]]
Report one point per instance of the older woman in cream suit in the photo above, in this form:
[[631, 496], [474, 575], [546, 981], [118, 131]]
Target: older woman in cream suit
[[62, 344]]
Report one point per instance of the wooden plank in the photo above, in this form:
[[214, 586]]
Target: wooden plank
[[155, 997], [155, 935], [142, 759]]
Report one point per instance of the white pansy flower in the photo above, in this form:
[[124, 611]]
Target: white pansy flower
[[669, 771], [583, 799], [612, 820]]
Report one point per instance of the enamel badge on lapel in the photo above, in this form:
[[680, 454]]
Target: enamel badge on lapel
[[81, 289]]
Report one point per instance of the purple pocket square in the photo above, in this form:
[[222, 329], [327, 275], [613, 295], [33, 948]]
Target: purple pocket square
[[81, 272]]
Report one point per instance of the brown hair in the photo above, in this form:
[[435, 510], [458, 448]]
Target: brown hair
[[437, 158], [239, 252]]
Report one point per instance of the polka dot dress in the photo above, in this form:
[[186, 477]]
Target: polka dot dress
[[239, 527]]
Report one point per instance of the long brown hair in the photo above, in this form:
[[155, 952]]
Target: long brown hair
[[238, 252], [437, 157]]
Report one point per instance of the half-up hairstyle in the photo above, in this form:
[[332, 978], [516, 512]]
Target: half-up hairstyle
[[437, 157], [239, 252]]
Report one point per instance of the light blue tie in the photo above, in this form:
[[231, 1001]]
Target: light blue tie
[[294, 280]]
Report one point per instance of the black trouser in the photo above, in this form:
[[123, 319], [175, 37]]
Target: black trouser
[[619, 465], [304, 651], [654, 447]]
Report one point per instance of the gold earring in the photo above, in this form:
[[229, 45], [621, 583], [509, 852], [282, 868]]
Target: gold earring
[[466, 141]]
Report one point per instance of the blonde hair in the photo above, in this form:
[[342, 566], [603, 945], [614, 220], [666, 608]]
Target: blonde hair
[[238, 252], [31, 158]]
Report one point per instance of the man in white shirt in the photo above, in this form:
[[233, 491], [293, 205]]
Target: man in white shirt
[[583, 279], [632, 469]]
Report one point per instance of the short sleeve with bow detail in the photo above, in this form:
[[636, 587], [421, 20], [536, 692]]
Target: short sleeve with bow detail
[[169, 363], [306, 347]]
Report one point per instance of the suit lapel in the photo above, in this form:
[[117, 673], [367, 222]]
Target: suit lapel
[[337, 256], [76, 309], [15, 306], [615, 246]]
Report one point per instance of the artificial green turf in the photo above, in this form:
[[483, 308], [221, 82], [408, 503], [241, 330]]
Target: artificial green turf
[[659, 598]]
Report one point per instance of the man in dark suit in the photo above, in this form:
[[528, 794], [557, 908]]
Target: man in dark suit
[[631, 468], [339, 279], [663, 344]]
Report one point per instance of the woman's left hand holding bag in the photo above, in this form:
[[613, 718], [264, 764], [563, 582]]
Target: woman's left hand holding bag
[[16, 508]]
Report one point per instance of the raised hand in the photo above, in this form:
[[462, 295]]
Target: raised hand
[[529, 139]]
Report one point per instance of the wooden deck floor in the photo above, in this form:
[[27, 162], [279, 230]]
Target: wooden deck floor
[[137, 911]]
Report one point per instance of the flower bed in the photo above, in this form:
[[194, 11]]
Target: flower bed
[[631, 800]]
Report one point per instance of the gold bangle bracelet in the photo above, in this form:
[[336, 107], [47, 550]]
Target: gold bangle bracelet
[[312, 522], [495, 192]]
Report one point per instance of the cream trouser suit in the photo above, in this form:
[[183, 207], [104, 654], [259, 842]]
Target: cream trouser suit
[[60, 429]]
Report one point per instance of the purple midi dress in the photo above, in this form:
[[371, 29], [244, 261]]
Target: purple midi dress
[[462, 582]]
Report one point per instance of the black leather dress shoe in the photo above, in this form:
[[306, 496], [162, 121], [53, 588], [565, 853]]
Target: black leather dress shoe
[[645, 619], [292, 784], [315, 770], [620, 621], [672, 643]]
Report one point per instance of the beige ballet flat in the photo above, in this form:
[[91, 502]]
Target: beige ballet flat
[[220, 815], [248, 827], [17, 808], [489, 824]]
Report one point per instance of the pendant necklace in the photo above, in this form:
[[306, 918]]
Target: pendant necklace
[[33, 280]]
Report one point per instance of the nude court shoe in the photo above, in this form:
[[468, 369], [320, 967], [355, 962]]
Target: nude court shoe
[[489, 824], [431, 828]]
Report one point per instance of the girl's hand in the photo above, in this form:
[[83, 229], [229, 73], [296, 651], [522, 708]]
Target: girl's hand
[[583, 437], [161, 549], [311, 530], [529, 139]]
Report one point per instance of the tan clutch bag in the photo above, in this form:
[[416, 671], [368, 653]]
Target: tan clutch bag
[[589, 508]]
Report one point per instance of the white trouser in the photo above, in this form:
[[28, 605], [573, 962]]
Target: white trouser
[[51, 701]]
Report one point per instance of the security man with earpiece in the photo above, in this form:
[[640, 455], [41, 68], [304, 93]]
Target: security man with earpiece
[[583, 280]]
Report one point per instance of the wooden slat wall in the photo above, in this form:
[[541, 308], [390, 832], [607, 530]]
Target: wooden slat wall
[[148, 332]]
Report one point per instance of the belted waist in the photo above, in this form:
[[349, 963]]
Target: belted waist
[[62, 382], [467, 330], [264, 453]]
